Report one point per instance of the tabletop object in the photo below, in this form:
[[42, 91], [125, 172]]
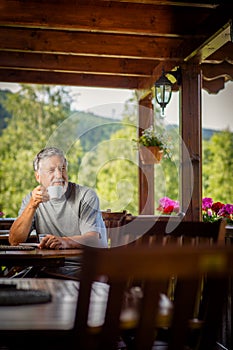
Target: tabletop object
[[6, 247]]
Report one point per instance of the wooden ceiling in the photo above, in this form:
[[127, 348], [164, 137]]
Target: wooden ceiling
[[114, 44]]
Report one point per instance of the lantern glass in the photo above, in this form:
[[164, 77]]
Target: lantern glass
[[163, 94]]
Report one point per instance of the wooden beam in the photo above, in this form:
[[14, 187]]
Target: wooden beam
[[216, 41], [95, 44], [199, 3], [147, 83], [108, 17], [213, 86], [191, 147], [58, 78], [79, 64], [146, 172], [213, 71], [224, 54]]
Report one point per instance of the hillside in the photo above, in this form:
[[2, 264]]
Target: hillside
[[208, 133], [91, 128]]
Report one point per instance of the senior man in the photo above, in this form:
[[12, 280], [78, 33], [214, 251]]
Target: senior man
[[72, 220]]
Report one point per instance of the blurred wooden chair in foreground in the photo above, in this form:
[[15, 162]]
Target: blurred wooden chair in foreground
[[186, 327], [105, 312], [177, 232]]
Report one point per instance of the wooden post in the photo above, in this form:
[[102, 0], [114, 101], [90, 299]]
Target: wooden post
[[146, 172], [191, 145]]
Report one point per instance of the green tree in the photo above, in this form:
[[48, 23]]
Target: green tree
[[117, 182], [36, 113], [3, 113], [112, 167], [218, 167]]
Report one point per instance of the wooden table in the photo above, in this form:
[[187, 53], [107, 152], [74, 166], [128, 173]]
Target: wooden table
[[37, 257], [41, 322], [14, 261], [56, 315]]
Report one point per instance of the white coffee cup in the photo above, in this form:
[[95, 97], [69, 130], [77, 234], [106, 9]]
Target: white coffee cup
[[55, 192], [41, 236]]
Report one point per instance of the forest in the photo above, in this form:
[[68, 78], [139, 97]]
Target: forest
[[100, 151]]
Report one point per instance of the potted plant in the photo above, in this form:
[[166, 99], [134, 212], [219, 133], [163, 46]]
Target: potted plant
[[152, 146]]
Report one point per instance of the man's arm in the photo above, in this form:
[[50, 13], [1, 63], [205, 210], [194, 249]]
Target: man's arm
[[21, 227]]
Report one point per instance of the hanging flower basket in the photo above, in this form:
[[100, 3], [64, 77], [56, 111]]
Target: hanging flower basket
[[150, 154], [152, 146]]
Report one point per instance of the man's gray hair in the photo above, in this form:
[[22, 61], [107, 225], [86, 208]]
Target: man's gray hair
[[47, 153]]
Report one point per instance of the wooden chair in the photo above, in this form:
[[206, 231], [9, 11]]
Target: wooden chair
[[113, 222], [5, 225], [173, 231], [154, 266]]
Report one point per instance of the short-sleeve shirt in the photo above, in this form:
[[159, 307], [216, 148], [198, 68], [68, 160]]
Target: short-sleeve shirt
[[75, 213]]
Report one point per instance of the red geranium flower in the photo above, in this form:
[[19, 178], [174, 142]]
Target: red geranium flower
[[217, 206]]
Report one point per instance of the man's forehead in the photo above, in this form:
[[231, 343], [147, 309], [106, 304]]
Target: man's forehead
[[53, 160]]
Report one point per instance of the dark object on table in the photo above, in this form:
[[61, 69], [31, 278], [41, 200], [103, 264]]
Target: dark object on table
[[16, 247], [11, 296]]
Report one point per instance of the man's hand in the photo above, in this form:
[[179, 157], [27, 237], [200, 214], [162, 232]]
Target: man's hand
[[88, 239], [53, 242], [39, 195]]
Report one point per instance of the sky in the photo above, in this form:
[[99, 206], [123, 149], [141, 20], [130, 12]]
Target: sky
[[217, 110]]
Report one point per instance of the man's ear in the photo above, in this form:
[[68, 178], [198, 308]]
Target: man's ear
[[37, 176]]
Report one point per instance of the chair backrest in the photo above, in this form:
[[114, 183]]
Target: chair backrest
[[174, 231], [100, 306], [5, 225]]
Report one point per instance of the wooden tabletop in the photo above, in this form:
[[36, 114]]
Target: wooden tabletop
[[37, 257], [59, 313]]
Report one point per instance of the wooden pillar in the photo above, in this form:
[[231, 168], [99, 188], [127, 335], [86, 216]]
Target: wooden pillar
[[146, 172], [191, 145]]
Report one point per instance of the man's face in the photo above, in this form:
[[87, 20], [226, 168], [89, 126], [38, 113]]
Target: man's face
[[52, 172]]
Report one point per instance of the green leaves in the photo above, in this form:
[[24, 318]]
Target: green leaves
[[35, 112]]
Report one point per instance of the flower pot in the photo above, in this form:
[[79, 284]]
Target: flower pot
[[150, 154]]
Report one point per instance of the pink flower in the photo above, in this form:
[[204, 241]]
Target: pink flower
[[207, 203], [226, 210]]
